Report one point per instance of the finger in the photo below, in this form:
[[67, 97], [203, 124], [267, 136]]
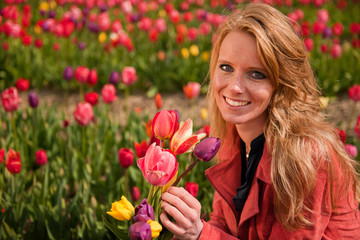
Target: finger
[[176, 213], [172, 227], [178, 203], [185, 196]]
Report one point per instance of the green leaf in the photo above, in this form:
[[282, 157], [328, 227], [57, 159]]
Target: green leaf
[[120, 234], [9, 231]]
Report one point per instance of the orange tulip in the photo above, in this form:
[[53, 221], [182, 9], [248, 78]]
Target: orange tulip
[[158, 101], [183, 141], [192, 90]]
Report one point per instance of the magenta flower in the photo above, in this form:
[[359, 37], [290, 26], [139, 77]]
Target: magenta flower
[[108, 93], [10, 99], [128, 76], [140, 231], [351, 149], [158, 166], [207, 148]]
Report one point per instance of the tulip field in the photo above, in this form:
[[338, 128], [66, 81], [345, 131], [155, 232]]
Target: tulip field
[[97, 171]]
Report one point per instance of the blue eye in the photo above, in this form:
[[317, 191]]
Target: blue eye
[[226, 68], [257, 75]]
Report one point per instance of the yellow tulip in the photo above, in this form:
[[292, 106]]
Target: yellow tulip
[[53, 4], [205, 56], [102, 37], [194, 50], [324, 102], [185, 53], [203, 113], [162, 13], [44, 6], [37, 29], [166, 186], [122, 210], [155, 228]]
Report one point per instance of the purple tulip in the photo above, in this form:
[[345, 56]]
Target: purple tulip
[[33, 100], [85, 11], [207, 148], [52, 14], [68, 73], [82, 45], [140, 231], [114, 77], [103, 8], [144, 212], [327, 33]]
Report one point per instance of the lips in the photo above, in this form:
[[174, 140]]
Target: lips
[[234, 103]]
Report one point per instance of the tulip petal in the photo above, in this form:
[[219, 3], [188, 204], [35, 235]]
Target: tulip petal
[[188, 144]]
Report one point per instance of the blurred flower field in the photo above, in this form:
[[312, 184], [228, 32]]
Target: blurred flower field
[[64, 162]]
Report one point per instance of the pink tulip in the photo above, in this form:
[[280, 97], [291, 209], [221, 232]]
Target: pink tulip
[[323, 15], [165, 124], [336, 51], [354, 92], [10, 99], [160, 24], [158, 166], [128, 76], [351, 149], [104, 21], [108, 93], [83, 113], [183, 141], [192, 90]]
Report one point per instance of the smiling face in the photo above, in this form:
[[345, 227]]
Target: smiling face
[[241, 87]]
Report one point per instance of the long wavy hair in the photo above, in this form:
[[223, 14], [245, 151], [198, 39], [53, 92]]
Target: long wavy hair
[[298, 136]]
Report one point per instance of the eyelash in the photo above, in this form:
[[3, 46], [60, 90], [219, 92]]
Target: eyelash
[[228, 68]]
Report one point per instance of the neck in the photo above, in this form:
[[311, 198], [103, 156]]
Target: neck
[[247, 135]]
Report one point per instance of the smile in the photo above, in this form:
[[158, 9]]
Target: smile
[[235, 103]]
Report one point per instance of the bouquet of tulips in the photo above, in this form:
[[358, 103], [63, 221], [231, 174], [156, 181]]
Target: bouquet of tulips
[[160, 169]]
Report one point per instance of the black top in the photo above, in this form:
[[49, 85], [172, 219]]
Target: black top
[[248, 169]]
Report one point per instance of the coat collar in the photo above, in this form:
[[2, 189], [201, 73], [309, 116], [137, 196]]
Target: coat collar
[[226, 176]]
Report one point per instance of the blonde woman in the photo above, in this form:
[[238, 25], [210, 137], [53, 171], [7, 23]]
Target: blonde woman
[[283, 172]]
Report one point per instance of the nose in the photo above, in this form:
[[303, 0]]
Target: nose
[[237, 84]]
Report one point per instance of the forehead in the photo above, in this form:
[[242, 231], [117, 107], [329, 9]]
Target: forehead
[[239, 46]]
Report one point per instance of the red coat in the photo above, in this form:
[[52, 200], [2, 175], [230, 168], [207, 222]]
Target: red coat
[[257, 218]]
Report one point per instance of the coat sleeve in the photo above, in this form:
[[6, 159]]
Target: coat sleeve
[[216, 227], [342, 222]]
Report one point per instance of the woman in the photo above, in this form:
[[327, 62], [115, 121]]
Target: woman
[[283, 171]]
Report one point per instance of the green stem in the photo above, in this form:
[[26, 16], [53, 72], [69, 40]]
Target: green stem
[[126, 190], [13, 124], [83, 140], [185, 172], [126, 107]]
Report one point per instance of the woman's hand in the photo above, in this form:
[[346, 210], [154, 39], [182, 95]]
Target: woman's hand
[[185, 209]]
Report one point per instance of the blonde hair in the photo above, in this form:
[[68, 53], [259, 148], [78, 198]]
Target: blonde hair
[[298, 136]]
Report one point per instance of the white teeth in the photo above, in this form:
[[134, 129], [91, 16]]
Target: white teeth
[[236, 103]]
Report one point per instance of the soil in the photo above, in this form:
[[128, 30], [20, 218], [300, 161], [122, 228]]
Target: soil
[[339, 110]]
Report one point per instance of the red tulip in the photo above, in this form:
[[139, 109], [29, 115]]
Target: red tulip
[[354, 92], [140, 148], [128, 76], [318, 27], [165, 124], [192, 188], [158, 101], [192, 34], [13, 161], [26, 40], [56, 47], [183, 141], [41, 157], [5, 46], [337, 29], [82, 74], [126, 157], [22, 84], [38, 43], [342, 134], [158, 166], [135, 194], [92, 98], [309, 44], [192, 90], [83, 113], [354, 28], [108, 93], [10, 99], [324, 48], [205, 129], [174, 16], [92, 78]]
